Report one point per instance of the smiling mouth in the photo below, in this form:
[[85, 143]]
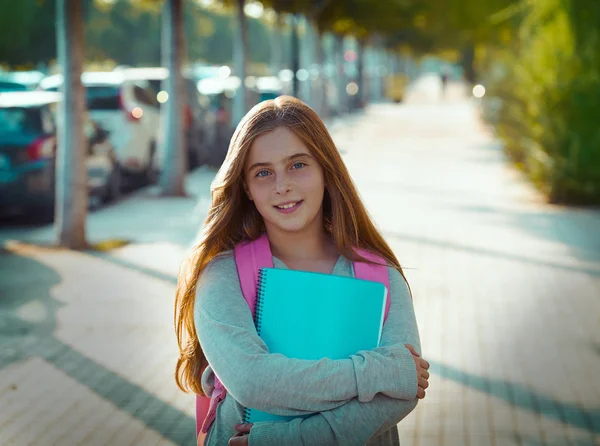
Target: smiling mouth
[[288, 207]]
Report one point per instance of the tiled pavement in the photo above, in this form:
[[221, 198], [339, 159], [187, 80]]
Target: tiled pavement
[[506, 289]]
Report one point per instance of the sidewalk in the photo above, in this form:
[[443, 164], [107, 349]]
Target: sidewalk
[[506, 289]]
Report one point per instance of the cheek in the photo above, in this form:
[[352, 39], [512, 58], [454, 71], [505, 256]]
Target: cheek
[[313, 183], [259, 193]]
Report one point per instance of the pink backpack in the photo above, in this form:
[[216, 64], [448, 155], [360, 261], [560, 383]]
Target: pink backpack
[[250, 257]]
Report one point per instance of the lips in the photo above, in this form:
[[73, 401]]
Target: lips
[[288, 207]]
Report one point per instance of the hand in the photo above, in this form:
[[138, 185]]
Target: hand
[[241, 438], [422, 367]]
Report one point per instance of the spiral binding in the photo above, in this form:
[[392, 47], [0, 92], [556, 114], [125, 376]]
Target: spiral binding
[[260, 294], [246, 415], [258, 313]]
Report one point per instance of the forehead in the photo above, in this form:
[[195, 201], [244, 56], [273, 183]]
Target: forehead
[[275, 146]]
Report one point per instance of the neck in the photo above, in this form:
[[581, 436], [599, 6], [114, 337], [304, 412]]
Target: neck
[[298, 246]]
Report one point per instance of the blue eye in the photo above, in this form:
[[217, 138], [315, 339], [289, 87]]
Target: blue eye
[[261, 172], [295, 166]]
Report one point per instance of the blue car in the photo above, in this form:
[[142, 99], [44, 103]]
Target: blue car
[[27, 149], [27, 155]]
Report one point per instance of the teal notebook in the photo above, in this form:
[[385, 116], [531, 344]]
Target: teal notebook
[[312, 316]]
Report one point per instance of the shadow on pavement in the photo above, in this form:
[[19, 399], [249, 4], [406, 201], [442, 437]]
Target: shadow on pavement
[[578, 229], [27, 326], [106, 256], [492, 253], [521, 397]]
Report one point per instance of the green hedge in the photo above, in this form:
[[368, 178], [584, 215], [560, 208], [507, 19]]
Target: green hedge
[[545, 103]]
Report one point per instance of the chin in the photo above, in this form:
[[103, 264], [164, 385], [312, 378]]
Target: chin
[[290, 227], [299, 223]]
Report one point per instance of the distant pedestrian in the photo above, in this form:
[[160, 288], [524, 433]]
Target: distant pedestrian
[[444, 77], [284, 177]]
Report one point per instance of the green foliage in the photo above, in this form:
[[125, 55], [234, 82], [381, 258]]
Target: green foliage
[[126, 32], [27, 34], [14, 23], [548, 98]]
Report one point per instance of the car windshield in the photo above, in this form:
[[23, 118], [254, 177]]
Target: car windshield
[[103, 98], [20, 120]]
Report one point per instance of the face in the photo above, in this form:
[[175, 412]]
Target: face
[[285, 182]]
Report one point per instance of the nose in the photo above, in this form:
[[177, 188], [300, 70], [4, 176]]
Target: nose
[[282, 185]]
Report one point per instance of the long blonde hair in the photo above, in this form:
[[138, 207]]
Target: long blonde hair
[[233, 217]]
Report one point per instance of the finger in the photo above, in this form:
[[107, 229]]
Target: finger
[[423, 383], [425, 364], [238, 441], [420, 393], [412, 350], [243, 428], [425, 374]]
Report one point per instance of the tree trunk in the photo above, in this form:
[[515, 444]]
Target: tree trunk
[[71, 173], [174, 164], [295, 56], [376, 85], [323, 103], [240, 54], [468, 63], [307, 61], [341, 74], [277, 45], [361, 99]]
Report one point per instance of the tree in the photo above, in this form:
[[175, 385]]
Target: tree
[[314, 13], [175, 159], [295, 55], [71, 174], [240, 62], [174, 168]]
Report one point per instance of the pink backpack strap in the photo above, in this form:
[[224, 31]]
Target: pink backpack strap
[[374, 273], [250, 257]]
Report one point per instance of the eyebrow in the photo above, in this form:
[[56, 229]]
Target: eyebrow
[[286, 159]]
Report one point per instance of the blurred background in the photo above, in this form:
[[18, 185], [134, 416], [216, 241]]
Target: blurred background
[[469, 127]]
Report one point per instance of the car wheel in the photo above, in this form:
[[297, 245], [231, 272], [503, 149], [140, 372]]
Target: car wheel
[[114, 185], [150, 174], [42, 214]]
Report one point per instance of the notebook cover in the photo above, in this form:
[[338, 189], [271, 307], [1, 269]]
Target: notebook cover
[[307, 315]]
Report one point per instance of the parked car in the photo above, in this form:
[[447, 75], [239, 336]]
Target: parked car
[[199, 119], [220, 92], [129, 111], [104, 176], [19, 80], [28, 149]]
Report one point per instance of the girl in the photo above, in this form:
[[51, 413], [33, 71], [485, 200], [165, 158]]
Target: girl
[[284, 175]]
